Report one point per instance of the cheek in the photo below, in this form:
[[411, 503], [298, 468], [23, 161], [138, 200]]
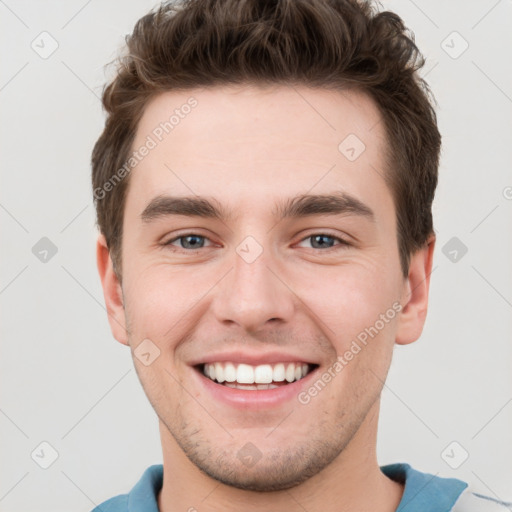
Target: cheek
[[349, 299], [161, 298]]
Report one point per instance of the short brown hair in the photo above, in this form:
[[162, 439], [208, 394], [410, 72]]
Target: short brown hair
[[334, 44]]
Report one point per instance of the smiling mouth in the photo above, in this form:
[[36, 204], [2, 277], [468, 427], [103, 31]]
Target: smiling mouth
[[249, 377]]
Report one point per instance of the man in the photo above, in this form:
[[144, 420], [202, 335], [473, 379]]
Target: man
[[263, 190]]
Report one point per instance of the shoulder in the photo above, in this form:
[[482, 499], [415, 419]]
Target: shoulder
[[115, 504], [430, 493], [470, 501], [143, 496]]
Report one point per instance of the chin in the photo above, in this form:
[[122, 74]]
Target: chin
[[264, 479]]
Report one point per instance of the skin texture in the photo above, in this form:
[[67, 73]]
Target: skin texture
[[249, 148]]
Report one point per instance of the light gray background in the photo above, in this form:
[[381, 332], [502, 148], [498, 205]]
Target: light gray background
[[66, 381]]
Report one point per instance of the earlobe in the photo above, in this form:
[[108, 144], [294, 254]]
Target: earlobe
[[112, 291], [415, 295]]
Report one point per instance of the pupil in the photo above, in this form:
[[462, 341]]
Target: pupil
[[322, 240], [194, 243]]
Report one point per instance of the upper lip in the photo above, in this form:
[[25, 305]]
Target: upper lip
[[253, 359]]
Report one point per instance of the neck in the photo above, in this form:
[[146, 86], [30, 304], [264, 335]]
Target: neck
[[353, 481]]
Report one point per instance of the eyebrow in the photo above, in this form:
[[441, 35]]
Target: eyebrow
[[300, 206]]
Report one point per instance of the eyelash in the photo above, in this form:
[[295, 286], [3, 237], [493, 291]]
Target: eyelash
[[342, 242]]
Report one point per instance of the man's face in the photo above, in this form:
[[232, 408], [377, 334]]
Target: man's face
[[258, 288]]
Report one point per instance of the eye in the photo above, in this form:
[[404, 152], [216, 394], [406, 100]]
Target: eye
[[324, 241], [191, 241], [188, 241]]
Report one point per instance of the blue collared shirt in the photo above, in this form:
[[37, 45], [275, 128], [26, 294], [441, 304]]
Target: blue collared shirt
[[423, 492]]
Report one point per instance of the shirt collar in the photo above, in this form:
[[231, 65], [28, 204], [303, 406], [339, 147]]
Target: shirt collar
[[423, 491]]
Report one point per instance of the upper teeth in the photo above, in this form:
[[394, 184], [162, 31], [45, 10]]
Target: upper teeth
[[262, 374]]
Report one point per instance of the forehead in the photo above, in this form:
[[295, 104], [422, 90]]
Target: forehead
[[246, 143]]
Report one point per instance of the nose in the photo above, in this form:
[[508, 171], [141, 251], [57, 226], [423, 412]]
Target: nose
[[253, 295]]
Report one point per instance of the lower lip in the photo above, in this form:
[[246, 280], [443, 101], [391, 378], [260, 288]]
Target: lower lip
[[255, 398]]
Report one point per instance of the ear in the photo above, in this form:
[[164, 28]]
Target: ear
[[415, 295], [112, 291]]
